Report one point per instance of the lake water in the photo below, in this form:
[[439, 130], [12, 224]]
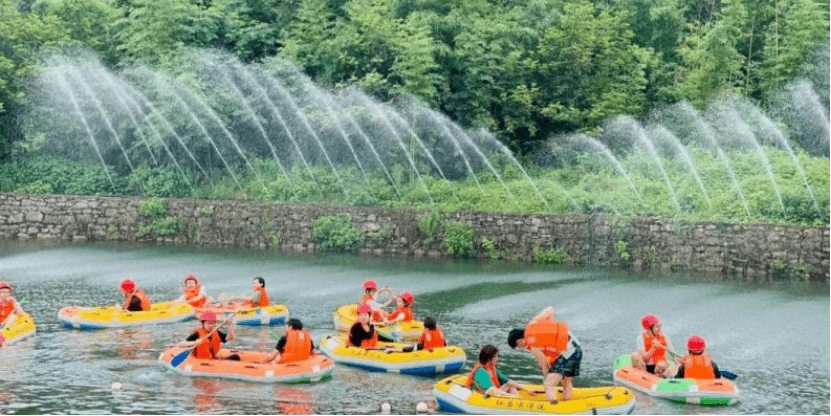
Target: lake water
[[776, 338]]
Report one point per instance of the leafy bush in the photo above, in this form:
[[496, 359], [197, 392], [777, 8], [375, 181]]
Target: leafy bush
[[458, 238], [553, 256], [493, 253], [621, 250], [37, 187], [431, 224], [152, 207], [337, 232]]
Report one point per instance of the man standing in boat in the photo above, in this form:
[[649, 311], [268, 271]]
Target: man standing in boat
[[556, 349]]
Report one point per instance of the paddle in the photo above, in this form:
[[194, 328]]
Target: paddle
[[726, 374], [182, 356]]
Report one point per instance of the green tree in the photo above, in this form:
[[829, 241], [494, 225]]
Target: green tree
[[590, 69], [798, 27], [154, 32], [88, 22], [712, 64], [23, 37]]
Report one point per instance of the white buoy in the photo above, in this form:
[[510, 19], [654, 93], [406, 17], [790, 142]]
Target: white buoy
[[386, 408], [421, 407], [116, 386]]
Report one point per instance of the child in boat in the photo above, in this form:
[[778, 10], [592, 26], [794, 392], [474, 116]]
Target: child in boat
[[210, 345], [403, 311], [9, 308], [488, 380], [432, 337], [259, 299], [556, 349], [696, 364], [652, 343], [134, 298], [260, 296], [362, 333], [295, 345], [193, 293], [370, 298]]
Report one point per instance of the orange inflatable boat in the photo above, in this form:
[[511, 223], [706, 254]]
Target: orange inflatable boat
[[317, 367]]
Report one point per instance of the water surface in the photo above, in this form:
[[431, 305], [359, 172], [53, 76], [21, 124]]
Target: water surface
[[775, 337]]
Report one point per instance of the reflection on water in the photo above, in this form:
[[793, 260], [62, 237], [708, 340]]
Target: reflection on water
[[69, 371]]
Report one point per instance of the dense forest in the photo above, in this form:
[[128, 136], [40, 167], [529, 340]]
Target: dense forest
[[524, 71]]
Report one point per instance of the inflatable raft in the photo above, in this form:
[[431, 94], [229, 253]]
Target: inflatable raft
[[346, 315], [421, 363], [269, 315], [316, 368], [453, 397], [113, 317], [22, 327], [719, 391]]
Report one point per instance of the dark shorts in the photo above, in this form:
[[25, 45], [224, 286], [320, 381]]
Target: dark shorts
[[568, 367], [650, 368]]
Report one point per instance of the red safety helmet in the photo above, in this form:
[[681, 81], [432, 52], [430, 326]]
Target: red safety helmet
[[191, 276], [128, 285], [696, 343], [5, 285], [208, 316], [370, 284], [364, 308], [649, 320], [407, 296]]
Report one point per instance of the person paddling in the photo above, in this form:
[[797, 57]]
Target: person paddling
[[489, 381], [651, 355], [556, 349], [295, 345], [696, 364], [134, 298], [193, 293], [210, 346]]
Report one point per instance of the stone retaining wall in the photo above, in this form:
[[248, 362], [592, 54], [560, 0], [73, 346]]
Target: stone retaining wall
[[756, 252]]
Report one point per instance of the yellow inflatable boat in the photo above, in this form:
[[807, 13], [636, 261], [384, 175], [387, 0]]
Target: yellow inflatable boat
[[421, 363], [346, 315], [315, 368], [453, 397], [113, 317], [268, 315], [22, 327]]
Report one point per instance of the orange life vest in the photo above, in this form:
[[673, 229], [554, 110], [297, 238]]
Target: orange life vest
[[407, 311], [376, 315], [549, 335], [491, 372], [367, 343], [263, 298], [660, 354], [298, 346], [432, 339], [699, 367], [193, 294], [210, 347], [145, 301], [6, 309]]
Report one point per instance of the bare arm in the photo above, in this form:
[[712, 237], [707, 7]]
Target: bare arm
[[541, 359]]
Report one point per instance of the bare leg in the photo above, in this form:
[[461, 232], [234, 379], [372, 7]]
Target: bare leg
[[637, 361], [551, 383], [567, 388]]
